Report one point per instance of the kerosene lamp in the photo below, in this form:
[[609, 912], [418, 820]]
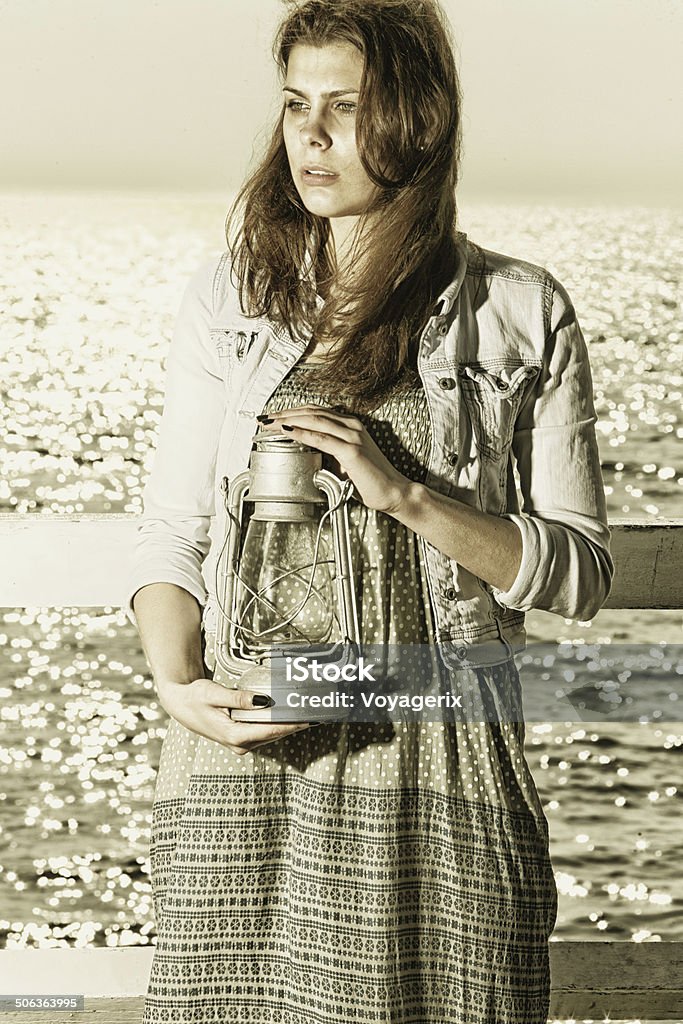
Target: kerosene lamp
[[284, 577]]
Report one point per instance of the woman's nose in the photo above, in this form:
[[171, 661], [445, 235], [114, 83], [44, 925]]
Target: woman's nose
[[313, 131]]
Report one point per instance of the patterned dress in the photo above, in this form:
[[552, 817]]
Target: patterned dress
[[375, 873]]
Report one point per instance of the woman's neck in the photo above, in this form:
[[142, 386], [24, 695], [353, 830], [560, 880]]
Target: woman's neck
[[341, 238]]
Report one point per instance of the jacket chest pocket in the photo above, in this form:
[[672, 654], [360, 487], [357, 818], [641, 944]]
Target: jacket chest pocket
[[492, 397], [232, 347]]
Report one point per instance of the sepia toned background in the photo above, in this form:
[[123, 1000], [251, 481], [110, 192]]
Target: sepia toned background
[[127, 127], [578, 101]]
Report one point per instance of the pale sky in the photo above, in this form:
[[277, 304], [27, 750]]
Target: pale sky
[[575, 100]]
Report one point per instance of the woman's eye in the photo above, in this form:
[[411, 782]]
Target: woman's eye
[[298, 106]]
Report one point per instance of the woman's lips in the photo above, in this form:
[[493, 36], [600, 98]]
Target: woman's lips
[[316, 178]]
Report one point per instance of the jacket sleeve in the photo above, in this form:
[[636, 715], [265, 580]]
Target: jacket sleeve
[[173, 536], [566, 564]]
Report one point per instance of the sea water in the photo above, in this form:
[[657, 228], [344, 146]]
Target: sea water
[[90, 286]]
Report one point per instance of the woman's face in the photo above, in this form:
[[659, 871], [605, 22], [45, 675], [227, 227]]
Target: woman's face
[[321, 96]]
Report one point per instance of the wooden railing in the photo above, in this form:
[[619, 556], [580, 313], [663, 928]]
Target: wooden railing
[[82, 560], [65, 560]]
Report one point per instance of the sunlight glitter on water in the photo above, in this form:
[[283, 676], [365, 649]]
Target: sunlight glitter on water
[[92, 302]]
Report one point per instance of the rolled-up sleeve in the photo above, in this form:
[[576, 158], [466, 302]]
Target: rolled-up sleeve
[[179, 499], [566, 565]]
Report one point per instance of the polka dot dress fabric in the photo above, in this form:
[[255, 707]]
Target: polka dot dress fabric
[[394, 872]]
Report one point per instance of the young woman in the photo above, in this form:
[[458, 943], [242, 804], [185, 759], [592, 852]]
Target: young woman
[[395, 872]]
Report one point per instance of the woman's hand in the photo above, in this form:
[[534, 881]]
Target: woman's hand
[[344, 438], [203, 706]]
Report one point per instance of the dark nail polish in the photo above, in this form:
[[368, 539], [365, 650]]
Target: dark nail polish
[[262, 700], [265, 419], [285, 426]]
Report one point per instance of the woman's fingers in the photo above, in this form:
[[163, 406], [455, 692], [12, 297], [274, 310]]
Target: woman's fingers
[[228, 696], [338, 435], [344, 438], [203, 706], [316, 417], [340, 439]]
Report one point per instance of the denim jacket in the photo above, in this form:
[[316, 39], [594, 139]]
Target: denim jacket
[[506, 374]]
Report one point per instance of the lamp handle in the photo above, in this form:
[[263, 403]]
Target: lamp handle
[[225, 580], [339, 493]]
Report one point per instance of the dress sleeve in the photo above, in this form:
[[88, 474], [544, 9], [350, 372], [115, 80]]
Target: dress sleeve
[[179, 498], [566, 564]]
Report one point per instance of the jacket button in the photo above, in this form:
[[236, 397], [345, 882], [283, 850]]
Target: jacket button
[[502, 385], [446, 383], [452, 458], [451, 594], [461, 652]]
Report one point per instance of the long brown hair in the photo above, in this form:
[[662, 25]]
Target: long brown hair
[[408, 134]]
